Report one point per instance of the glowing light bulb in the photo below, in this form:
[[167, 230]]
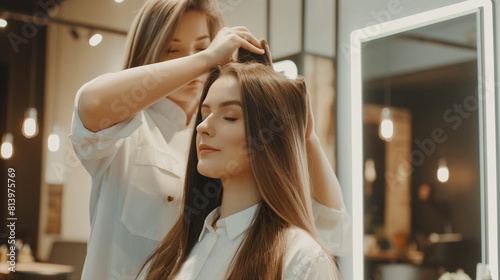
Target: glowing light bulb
[[443, 173], [54, 142], [370, 172], [95, 40], [118, 1], [30, 126], [7, 148], [386, 129], [3, 23]]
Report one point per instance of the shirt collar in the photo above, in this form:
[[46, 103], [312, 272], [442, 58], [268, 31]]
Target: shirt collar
[[170, 110], [235, 224]]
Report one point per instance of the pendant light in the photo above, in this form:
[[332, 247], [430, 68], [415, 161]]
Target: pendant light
[[370, 172], [7, 146], [54, 141], [30, 123], [443, 173], [386, 128]]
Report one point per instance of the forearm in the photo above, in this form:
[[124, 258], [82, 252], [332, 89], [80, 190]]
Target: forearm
[[120, 96], [325, 187]]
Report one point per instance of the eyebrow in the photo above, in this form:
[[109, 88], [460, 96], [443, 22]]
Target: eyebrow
[[197, 39], [225, 103]]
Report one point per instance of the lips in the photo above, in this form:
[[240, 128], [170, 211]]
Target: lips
[[205, 149]]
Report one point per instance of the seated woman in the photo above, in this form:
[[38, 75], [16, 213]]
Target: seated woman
[[247, 203]]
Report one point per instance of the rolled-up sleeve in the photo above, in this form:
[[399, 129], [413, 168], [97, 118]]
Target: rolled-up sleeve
[[96, 149], [334, 228]]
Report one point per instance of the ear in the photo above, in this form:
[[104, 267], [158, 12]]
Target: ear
[[248, 56]]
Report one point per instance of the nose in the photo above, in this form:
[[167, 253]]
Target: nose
[[205, 127]]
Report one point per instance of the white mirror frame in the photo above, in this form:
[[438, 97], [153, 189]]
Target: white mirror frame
[[486, 86]]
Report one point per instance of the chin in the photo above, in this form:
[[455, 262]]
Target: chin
[[206, 171], [209, 170]]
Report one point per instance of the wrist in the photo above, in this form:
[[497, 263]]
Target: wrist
[[208, 57]]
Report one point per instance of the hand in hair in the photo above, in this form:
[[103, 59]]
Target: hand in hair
[[248, 56], [230, 39]]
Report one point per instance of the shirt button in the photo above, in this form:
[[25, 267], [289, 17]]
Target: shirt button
[[169, 198]]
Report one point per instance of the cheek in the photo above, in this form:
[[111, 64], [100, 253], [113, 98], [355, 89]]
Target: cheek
[[237, 149], [236, 141]]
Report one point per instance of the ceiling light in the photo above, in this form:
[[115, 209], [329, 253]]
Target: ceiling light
[[95, 40]]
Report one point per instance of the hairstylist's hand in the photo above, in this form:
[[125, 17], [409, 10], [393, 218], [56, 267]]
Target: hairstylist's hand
[[228, 40], [310, 118]]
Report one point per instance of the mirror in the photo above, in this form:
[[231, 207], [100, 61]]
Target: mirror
[[423, 112]]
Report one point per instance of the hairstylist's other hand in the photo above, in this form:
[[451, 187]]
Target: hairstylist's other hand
[[310, 118], [228, 40]]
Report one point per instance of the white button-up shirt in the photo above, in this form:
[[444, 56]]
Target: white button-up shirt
[[137, 169], [211, 256]]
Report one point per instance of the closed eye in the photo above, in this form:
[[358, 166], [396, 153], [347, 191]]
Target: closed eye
[[172, 51], [230, 119]]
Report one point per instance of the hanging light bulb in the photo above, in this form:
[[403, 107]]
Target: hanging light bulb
[[7, 147], [370, 172], [3, 23], [443, 173], [386, 129], [30, 125], [95, 40], [54, 141]]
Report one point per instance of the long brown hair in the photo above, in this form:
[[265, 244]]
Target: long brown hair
[[154, 26], [275, 114]]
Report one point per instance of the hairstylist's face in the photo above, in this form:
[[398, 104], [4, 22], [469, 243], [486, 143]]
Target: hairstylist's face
[[220, 139], [191, 36]]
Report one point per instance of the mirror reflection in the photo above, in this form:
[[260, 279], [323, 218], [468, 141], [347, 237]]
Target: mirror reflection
[[421, 146]]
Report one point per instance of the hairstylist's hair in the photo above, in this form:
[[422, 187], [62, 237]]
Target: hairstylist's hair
[[275, 115], [154, 26]]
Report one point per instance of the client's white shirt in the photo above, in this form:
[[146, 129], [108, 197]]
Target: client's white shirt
[[212, 254]]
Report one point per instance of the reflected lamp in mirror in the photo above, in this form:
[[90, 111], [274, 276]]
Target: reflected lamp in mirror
[[386, 129], [370, 172]]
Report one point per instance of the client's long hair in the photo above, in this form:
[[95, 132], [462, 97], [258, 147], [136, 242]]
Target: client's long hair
[[275, 114]]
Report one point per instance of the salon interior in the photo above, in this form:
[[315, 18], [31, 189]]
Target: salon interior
[[406, 106]]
